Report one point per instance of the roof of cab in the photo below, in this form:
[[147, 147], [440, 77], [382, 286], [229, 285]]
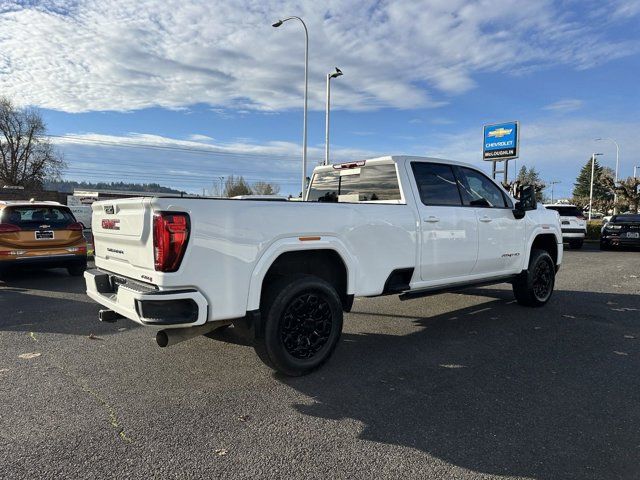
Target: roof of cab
[[397, 159]]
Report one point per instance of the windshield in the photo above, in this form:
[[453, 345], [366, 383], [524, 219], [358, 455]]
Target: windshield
[[33, 217], [625, 219], [367, 183]]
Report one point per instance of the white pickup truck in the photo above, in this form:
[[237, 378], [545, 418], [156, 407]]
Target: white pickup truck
[[284, 272]]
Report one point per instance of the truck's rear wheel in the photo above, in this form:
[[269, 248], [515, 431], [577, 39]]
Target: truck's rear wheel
[[302, 317], [533, 287]]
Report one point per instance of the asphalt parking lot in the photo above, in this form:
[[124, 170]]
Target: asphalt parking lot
[[465, 385]]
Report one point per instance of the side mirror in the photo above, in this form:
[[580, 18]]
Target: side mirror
[[527, 201]]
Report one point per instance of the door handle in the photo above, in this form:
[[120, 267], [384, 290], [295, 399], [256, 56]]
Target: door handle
[[485, 219], [432, 219]]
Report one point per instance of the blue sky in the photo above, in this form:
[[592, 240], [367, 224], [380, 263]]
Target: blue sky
[[222, 89]]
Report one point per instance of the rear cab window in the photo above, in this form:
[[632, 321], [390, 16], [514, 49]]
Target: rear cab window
[[33, 217], [372, 183]]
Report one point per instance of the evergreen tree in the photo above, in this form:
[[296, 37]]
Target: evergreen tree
[[601, 182], [531, 177]]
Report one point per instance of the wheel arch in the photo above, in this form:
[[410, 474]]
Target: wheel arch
[[327, 258], [547, 241]]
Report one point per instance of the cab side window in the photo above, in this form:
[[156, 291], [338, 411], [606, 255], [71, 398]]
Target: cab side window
[[436, 183], [478, 191]]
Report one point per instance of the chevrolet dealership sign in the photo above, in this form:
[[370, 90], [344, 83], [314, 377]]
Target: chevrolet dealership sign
[[501, 141]]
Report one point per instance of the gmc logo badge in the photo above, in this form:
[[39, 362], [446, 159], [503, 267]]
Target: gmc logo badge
[[111, 224]]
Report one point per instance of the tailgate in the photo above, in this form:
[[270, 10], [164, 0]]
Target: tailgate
[[122, 235]]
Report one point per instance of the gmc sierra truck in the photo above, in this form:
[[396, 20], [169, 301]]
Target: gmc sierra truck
[[284, 272]]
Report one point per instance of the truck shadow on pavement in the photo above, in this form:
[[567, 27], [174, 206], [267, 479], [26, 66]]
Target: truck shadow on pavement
[[50, 301], [496, 388]]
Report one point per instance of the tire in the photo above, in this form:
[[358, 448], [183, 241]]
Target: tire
[[576, 244], [534, 287], [76, 269], [292, 345]]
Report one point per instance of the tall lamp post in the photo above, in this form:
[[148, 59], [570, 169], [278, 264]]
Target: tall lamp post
[[330, 76], [615, 180], [593, 162], [306, 89], [553, 183]]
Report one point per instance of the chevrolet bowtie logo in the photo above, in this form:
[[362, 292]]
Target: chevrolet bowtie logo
[[500, 132]]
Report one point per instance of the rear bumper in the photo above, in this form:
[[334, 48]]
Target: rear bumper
[[573, 233], [45, 261], [145, 304]]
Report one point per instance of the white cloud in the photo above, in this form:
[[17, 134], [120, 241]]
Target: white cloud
[[197, 137], [124, 55], [565, 105]]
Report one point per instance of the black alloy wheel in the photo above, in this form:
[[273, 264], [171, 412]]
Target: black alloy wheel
[[301, 323], [306, 325]]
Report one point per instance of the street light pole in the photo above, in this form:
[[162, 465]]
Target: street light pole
[[593, 162], [306, 90], [330, 76], [552, 183], [615, 180]]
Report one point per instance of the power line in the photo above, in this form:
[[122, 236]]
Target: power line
[[204, 177], [201, 151], [112, 168]]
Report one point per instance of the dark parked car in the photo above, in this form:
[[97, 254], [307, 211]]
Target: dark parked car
[[621, 231]]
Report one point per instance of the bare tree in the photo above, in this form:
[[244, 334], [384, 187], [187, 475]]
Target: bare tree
[[27, 156], [265, 188]]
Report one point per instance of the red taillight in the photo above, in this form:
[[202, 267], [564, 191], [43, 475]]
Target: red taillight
[[8, 228], [170, 236], [76, 227]]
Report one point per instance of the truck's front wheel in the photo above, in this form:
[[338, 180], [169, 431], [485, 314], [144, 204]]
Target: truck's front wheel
[[534, 286], [302, 317]]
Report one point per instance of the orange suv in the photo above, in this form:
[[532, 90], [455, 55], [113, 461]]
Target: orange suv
[[41, 234]]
